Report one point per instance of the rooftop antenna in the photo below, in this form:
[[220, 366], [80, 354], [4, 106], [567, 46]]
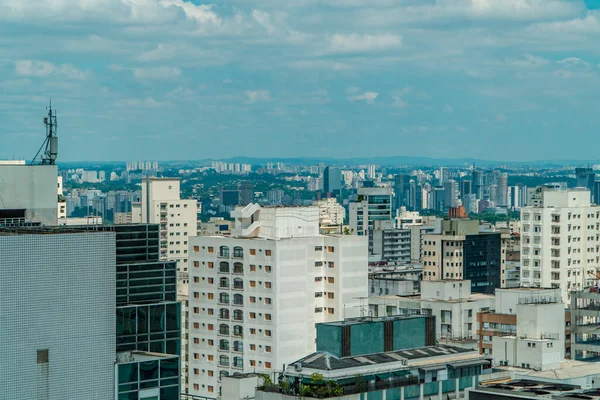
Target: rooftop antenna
[[49, 148]]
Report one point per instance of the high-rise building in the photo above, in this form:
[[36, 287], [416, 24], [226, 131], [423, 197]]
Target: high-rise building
[[246, 193], [502, 190], [371, 172], [178, 218], [256, 296], [438, 199], [585, 177], [401, 190], [460, 252], [450, 194], [332, 180], [374, 204], [477, 180], [465, 189], [559, 247], [57, 301], [330, 212]]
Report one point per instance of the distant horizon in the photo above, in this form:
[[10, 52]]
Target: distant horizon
[[410, 160]]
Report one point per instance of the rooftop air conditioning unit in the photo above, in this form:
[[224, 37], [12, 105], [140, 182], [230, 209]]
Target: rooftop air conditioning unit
[[298, 367]]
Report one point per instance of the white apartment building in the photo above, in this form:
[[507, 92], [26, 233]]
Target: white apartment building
[[161, 204], [539, 340], [330, 212], [255, 297], [560, 241], [451, 302]]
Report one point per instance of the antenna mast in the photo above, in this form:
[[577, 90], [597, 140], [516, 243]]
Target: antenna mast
[[50, 144]]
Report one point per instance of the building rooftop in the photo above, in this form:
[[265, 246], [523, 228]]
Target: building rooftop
[[363, 320], [326, 361]]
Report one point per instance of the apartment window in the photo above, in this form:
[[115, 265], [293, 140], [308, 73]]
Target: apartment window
[[252, 315], [211, 342], [267, 317], [268, 285], [210, 311], [268, 253], [196, 310], [331, 264], [196, 249], [196, 356], [330, 249], [196, 264], [211, 388], [196, 372], [267, 268], [318, 248], [211, 249], [211, 296], [252, 331], [196, 325], [252, 299], [330, 280], [318, 278], [268, 349], [210, 373], [252, 363], [196, 279], [318, 294], [267, 333], [211, 358], [211, 265], [252, 283], [267, 300], [196, 295], [252, 252], [196, 386], [330, 311], [253, 347], [211, 327], [211, 281], [196, 340], [267, 365], [330, 295], [252, 268]]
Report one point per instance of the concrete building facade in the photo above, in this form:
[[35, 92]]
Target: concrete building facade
[[560, 243], [255, 297]]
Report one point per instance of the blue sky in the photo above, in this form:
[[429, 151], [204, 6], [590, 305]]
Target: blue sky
[[173, 79]]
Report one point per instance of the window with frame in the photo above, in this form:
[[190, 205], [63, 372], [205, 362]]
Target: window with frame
[[252, 283], [252, 252], [252, 299], [252, 268], [268, 285], [267, 365], [196, 279], [267, 268], [268, 349], [267, 317], [331, 279], [268, 253], [211, 265], [253, 347], [211, 249], [196, 249], [211, 296], [196, 264], [268, 333], [252, 315]]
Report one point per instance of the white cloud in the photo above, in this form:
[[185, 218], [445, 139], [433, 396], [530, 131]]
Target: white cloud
[[368, 97], [501, 118], [529, 60], [255, 96], [448, 108], [149, 73], [147, 102], [264, 19], [36, 68], [355, 43]]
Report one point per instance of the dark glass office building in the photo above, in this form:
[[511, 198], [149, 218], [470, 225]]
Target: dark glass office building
[[148, 323], [482, 262]]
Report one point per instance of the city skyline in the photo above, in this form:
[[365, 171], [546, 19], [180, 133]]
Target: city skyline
[[171, 80]]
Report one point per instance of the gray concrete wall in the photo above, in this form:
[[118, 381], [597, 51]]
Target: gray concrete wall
[[57, 292], [31, 187]]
